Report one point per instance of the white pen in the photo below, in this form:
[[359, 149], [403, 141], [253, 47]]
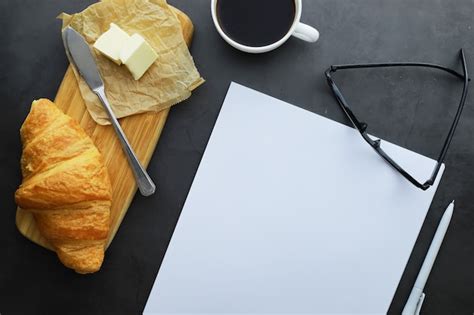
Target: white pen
[[415, 300]]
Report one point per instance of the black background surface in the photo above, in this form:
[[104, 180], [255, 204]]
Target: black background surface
[[411, 108]]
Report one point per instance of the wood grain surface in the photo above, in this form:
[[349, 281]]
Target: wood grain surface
[[143, 132]]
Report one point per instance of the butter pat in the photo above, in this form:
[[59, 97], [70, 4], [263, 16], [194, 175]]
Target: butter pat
[[111, 43], [137, 55]]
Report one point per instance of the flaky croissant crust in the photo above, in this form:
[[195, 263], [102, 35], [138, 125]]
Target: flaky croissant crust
[[65, 185]]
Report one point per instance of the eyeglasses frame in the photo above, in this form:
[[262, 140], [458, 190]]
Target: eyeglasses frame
[[375, 144]]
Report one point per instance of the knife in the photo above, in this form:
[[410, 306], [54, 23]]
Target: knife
[[79, 54]]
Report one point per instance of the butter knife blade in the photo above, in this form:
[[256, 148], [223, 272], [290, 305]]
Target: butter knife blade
[[80, 55]]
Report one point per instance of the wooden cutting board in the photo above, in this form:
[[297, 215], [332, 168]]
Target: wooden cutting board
[[143, 132]]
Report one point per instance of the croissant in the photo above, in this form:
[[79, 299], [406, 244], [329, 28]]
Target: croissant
[[65, 186]]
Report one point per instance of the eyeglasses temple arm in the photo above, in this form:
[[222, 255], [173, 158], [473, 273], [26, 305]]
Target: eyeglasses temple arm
[[334, 68], [450, 135]]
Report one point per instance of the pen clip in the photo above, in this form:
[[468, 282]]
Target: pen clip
[[420, 302]]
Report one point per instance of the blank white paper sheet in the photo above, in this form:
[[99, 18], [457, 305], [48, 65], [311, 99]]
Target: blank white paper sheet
[[291, 213]]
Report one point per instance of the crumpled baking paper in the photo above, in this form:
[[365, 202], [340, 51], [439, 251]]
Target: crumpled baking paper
[[167, 82]]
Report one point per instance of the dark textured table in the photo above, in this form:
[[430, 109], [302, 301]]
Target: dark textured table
[[412, 108]]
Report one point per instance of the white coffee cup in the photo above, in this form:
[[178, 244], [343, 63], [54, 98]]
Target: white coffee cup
[[298, 29]]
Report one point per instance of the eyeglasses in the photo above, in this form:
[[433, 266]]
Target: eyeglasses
[[375, 144]]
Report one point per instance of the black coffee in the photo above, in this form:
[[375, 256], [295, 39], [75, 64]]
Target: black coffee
[[256, 22]]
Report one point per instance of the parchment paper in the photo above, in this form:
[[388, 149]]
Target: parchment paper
[[167, 82]]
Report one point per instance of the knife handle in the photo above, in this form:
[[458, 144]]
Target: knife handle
[[144, 182]]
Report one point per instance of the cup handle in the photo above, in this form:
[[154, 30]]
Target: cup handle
[[306, 33]]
